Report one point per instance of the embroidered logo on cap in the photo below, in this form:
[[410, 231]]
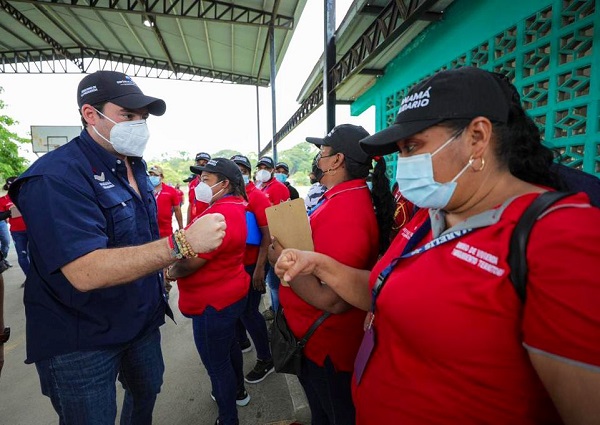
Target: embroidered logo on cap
[[415, 100]]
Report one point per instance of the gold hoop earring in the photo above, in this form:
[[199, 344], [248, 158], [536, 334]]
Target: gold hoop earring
[[472, 160]]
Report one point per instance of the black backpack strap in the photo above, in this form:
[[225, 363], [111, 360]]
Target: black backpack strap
[[312, 329], [517, 256]]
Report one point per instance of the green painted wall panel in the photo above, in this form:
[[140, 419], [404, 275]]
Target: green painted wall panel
[[549, 49]]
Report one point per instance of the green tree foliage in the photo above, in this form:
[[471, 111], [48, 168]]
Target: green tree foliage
[[11, 164]]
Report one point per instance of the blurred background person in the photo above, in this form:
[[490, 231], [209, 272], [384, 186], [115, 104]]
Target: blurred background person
[[282, 173]]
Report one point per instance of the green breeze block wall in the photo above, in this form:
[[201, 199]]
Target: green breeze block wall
[[549, 50]]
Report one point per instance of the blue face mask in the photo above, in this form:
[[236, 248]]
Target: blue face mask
[[414, 175], [281, 177], [246, 178], [155, 180]]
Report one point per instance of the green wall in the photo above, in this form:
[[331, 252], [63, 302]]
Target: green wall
[[549, 49]]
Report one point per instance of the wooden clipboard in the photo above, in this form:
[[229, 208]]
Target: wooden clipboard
[[288, 222]]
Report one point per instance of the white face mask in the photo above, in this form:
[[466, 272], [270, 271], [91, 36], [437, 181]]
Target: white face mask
[[204, 193], [128, 138], [263, 176]]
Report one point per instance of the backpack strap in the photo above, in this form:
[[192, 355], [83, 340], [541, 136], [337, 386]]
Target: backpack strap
[[517, 256]]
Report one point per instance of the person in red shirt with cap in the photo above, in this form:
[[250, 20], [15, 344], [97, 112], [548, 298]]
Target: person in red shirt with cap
[[255, 261], [351, 224], [277, 193], [213, 287], [167, 202], [195, 207], [447, 338]]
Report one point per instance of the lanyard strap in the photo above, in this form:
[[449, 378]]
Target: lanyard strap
[[409, 251]]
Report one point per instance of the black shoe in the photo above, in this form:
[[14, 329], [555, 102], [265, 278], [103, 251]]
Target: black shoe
[[3, 266], [261, 370], [269, 314], [242, 398], [246, 346]]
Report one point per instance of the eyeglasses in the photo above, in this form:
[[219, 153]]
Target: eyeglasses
[[320, 155]]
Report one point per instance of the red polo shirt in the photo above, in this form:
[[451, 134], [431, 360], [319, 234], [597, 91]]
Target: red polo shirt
[[196, 207], [17, 224], [257, 203], [166, 199], [450, 330], [222, 281], [352, 239], [276, 191]]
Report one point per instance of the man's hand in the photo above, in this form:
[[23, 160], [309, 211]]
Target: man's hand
[[206, 233], [293, 262]]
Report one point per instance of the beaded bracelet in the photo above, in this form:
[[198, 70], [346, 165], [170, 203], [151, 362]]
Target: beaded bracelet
[[182, 243]]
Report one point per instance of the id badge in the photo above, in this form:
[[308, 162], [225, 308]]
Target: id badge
[[364, 352]]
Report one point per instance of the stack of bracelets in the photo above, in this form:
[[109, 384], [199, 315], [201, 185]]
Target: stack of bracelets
[[180, 247]]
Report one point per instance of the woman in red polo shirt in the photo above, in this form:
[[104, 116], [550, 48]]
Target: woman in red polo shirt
[[213, 287], [448, 340], [346, 227]]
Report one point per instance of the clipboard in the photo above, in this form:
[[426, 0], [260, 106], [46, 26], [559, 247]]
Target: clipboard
[[288, 222]]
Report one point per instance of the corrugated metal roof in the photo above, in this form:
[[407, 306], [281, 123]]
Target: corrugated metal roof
[[202, 40]]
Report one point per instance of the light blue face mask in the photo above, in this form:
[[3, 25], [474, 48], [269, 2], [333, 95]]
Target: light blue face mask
[[281, 177], [155, 180], [246, 178], [414, 175]]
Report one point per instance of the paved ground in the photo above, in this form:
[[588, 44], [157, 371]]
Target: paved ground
[[185, 398]]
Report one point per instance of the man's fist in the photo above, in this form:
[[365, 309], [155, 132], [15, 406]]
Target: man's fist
[[206, 233]]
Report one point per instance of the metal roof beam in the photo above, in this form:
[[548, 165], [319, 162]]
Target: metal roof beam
[[210, 10], [23, 20], [135, 66], [397, 17]]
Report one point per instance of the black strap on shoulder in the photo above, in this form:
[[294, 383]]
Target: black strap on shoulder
[[312, 329], [517, 256]]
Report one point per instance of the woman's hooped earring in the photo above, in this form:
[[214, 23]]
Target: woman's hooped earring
[[472, 160]]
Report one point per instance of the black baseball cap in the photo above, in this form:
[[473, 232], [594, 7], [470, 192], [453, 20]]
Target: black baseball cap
[[344, 138], [242, 160], [222, 166], [117, 88], [189, 178], [463, 93], [202, 155], [9, 181], [266, 161], [283, 165]]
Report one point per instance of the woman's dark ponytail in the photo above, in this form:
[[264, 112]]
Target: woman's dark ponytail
[[384, 203]]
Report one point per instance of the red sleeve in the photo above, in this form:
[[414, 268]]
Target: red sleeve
[[257, 205], [562, 313]]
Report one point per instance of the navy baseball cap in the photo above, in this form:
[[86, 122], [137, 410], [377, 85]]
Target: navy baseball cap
[[242, 160], [202, 155], [463, 93], [223, 166], [283, 165], [266, 161], [344, 138], [118, 88]]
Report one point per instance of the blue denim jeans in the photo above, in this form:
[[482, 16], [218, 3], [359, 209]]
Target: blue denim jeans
[[21, 241], [328, 393], [273, 284], [81, 385], [254, 322], [4, 238], [215, 338]]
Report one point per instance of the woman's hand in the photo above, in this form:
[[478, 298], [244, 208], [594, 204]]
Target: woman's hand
[[293, 262], [258, 279], [274, 250]]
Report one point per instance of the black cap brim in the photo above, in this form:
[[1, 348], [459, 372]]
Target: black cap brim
[[384, 142], [318, 141], [139, 101]]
